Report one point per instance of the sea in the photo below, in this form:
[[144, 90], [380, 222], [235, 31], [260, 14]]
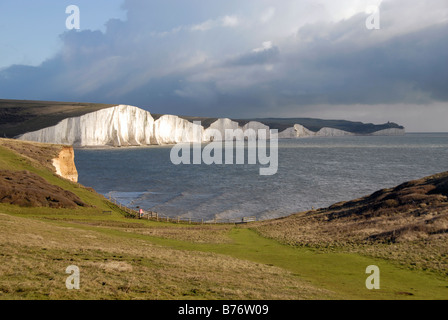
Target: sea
[[312, 173]]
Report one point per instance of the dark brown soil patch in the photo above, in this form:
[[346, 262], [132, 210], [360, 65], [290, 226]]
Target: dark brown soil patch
[[27, 189]]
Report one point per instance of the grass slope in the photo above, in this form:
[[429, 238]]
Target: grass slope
[[407, 224], [123, 258]]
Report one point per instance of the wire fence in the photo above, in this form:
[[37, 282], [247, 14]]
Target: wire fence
[[151, 215]]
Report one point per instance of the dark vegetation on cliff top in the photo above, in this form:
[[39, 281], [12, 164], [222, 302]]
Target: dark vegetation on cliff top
[[21, 116]]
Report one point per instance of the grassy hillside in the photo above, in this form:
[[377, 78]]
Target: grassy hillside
[[121, 258], [126, 258], [407, 224]]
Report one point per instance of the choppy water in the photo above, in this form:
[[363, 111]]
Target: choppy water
[[314, 172]]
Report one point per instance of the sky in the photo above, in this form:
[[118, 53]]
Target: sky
[[236, 59]]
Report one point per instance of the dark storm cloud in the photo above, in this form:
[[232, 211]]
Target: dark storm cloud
[[330, 69], [406, 68], [213, 64], [263, 56]]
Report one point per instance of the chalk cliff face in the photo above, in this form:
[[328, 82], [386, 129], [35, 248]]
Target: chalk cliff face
[[217, 131], [64, 164], [252, 130], [131, 126], [170, 129], [116, 126], [332, 132], [299, 131], [289, 133], [390, 132]]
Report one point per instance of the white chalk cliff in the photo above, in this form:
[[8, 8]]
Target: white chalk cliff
[[131, 126], [217, 131], [252, 130], [117, 126], [332, 132], [299, 131], [171, 129], [390, 132]]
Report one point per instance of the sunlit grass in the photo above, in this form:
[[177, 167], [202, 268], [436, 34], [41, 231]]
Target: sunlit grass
[[124, 258]]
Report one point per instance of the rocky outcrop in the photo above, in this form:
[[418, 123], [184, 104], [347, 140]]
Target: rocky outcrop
[[64, 164], [59, 159]]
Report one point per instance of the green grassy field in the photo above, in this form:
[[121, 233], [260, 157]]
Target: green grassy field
[[126, 258], [253, 264]]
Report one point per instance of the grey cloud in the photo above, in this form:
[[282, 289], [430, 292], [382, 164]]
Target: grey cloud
[[325, 63], [266, 56], [409, 68]]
